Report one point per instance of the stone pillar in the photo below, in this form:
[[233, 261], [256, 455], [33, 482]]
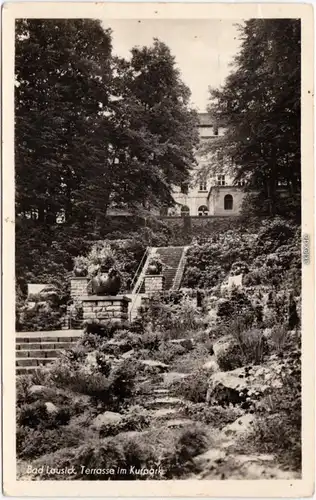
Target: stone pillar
[[105, 308], [154, 283], [78, 288]]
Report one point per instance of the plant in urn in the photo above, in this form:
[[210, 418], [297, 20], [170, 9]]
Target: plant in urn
[[154, 266], [80, 267], [106, 283]]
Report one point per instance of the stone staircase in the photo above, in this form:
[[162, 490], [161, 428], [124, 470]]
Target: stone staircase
[[171, 258], [34, 350]]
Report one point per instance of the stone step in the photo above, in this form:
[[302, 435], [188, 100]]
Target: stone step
[[42, 353], [39, 340], [27, 370], [33, 361], [163, 402], [164, 413], [44, 345], [179, 423], [161, 391]]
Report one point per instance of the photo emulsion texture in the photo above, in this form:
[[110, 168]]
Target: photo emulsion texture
[[158, 263]]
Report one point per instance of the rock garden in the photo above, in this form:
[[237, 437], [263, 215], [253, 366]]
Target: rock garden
[[204, 383]]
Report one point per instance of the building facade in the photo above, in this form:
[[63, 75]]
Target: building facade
[[210, 196]]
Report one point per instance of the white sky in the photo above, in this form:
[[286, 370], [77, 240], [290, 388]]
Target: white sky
[[203, 48]]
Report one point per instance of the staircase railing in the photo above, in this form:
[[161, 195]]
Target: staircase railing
[[180, 270], [139, 281], [139, 269]]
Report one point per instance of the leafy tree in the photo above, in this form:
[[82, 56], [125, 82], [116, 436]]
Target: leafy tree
[[63, 70], [259, 105], [160, 127], [93, 130]]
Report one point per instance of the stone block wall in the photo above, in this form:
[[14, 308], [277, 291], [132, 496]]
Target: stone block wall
[[105, 308], [154, 283], [78, 288]]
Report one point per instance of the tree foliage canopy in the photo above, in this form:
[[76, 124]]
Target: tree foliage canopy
[[92, 130], [259, 105]]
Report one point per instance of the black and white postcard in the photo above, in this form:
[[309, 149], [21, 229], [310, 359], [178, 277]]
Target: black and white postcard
[[158, 275]]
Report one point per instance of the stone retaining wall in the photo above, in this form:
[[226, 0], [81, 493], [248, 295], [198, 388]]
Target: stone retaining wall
[[105, 308], [154, 283], [78, 288]]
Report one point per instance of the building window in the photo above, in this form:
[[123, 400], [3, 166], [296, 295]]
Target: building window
[[184, 187], [203, 185], [228, 202], [185, 211], [240, 183], [221, 180], [203, 211]]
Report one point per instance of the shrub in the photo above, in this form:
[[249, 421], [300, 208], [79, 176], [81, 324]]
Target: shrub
[[73, 403], [32, 415], [151, 340], [122, 382], [172, 451], [230, 358], [104, 329], [239, 267], [35, 415], [249, 345], [253, 345], [293, 318], [32, 443], [272, 234], [216, 416], [192, 442], [107, 386], [193, 387], [39, 319], [102, 460], [173, 321], [168, 352], [237, 304], [279, 431], [23, 395], [191, 361], [278, 336], [174, 297]]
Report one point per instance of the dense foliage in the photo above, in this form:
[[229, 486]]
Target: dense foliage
[[266, 255], [91, 129]]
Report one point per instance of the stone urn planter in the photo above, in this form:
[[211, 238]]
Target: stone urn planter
[[80, 269], [106, 283], [80, 272]]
